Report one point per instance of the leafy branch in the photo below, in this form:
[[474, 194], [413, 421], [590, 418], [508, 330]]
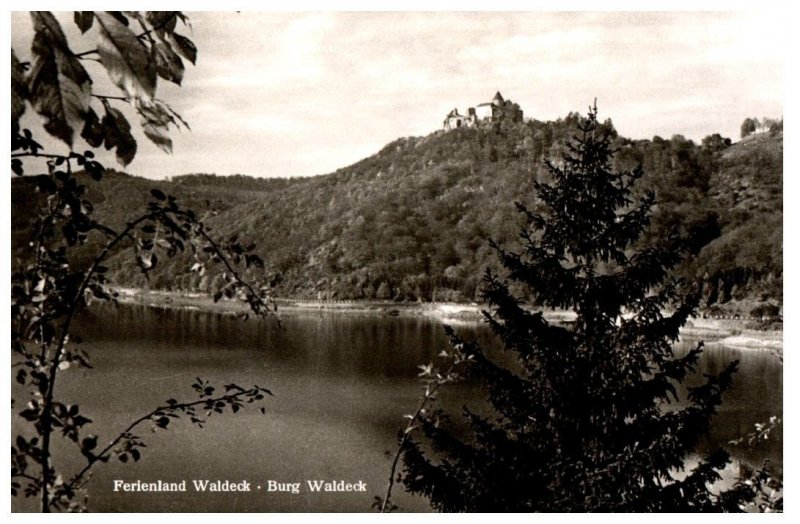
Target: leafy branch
[[60, 89], [47, 304], [434, 380], [85, 19], [156, 213], [46, 289], [160, 417], [46, 414]]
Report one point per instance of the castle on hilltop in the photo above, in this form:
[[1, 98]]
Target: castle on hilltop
[[497, 109]]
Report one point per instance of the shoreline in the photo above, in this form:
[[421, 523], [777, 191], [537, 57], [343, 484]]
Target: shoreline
[[726, 332]]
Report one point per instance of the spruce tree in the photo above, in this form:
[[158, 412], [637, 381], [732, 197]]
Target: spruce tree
[[587, 417]]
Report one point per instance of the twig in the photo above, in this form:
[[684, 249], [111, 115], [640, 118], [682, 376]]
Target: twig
[[43, 155], [161, 409], [25, 476], [430, 391], [109, 97]]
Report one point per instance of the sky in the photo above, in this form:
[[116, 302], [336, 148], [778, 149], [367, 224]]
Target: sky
[[300, 94]]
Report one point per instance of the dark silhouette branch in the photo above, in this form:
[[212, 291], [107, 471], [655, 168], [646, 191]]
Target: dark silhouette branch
[[46, 416], [430, 392], [37, 154], [228, 266], [105, 452]]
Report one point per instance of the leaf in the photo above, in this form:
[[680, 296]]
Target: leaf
[[94, 170], [162, 21], [185, 47], [93, 130], [125, 58], [29, 414], [117, 131], [84, 20], [156, 119], [19, 92], [184, 19], [89, 443], [60, 87], [178, 119], [168, 64], [157, 135], [126, 151], [120, 17], [156, 112], [16, 167]]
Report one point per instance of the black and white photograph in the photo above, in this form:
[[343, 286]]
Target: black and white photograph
[[466, 260]]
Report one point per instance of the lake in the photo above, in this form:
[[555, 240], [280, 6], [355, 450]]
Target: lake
[[342, 383]]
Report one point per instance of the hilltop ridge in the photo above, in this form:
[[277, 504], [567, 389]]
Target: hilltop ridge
[[412, 222]]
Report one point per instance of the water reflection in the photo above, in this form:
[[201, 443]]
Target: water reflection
[[342, 383]]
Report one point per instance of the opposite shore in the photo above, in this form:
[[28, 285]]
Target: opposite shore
[[728, 332]]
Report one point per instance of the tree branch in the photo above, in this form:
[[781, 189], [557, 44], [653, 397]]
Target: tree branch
[[47, 406], [227, 264], [430, 392], [105, 452], [42, 155], [46, 414]]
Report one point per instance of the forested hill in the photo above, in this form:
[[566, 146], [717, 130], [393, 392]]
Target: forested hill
[[412, 222]]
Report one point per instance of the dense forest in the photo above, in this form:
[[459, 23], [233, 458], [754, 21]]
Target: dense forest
[[413, 222]]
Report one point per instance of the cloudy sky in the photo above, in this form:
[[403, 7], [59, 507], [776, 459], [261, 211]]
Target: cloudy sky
[[299, 94]]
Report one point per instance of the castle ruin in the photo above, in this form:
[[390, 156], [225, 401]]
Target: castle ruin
[[497, 109]]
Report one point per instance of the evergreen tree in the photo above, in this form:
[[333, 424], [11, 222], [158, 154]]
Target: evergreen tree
[[586, 419]]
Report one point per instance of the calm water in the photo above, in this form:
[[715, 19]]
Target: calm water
[[342, 383]]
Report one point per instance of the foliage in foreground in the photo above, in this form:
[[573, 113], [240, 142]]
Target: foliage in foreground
[[49, 287], [587, 417]]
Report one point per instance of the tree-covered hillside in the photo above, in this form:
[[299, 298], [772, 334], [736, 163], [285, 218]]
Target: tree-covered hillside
[[413, 221]]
